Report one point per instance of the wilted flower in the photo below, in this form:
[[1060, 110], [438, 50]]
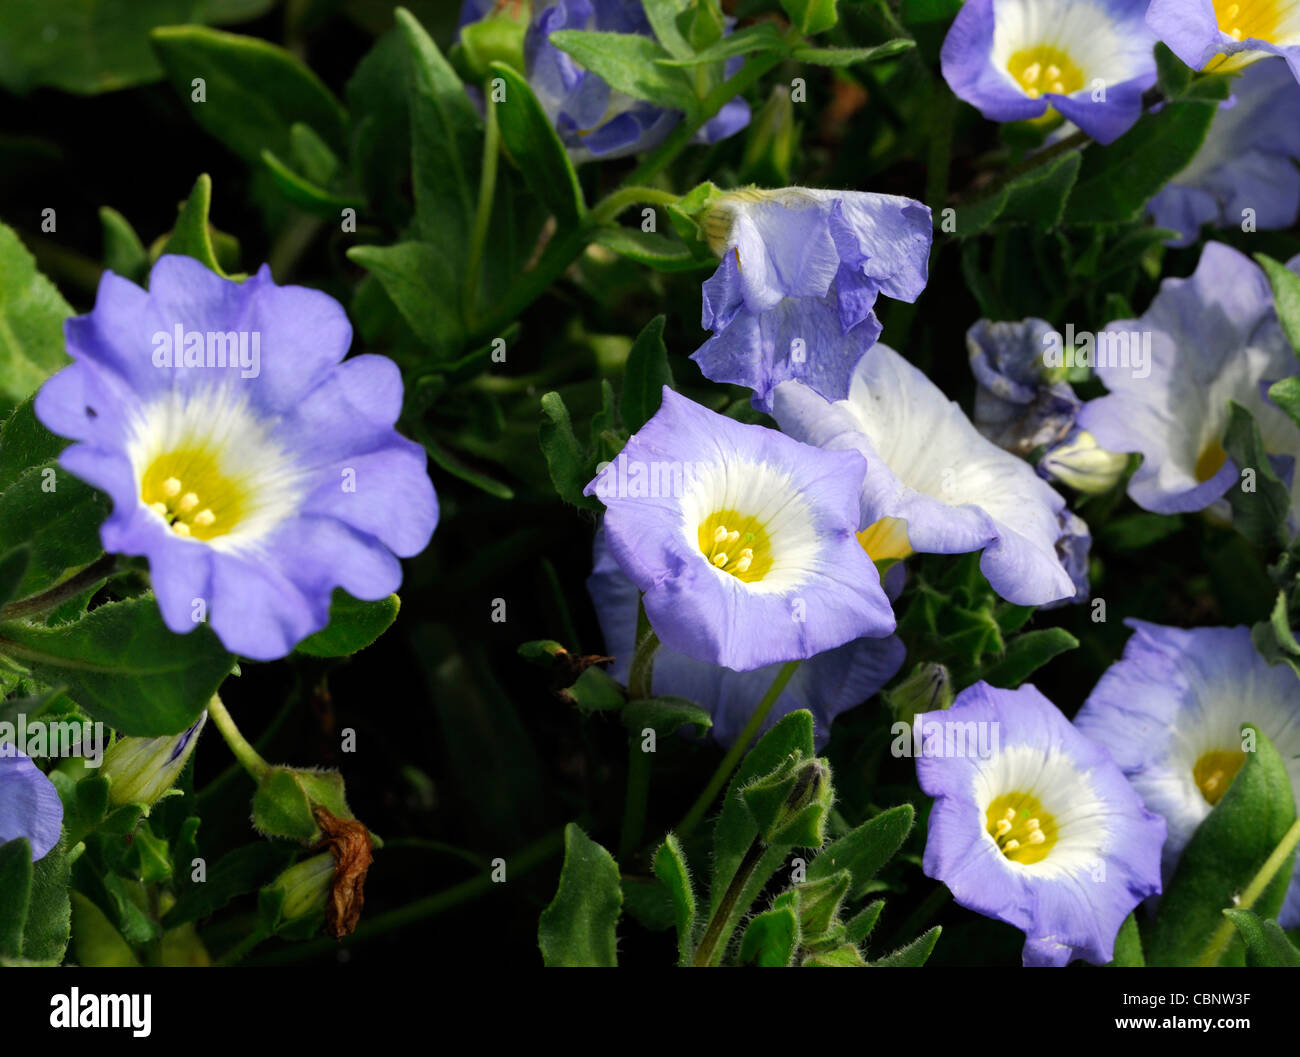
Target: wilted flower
[[1214, 338], [1246, 168], [1042, 831], [141, 770], [593, 119], [1171, 712], [29, 804], [825, 685], [744, 542], [253, 469], [1090, 60], [799, 275], [933, 484], [1237, 31]]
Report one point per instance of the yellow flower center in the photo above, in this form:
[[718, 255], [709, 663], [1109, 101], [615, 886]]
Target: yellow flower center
[[1023, 831], [886, 539], [188, 490], [1045, 69], [737, 544], [1215, 770], [1210, 461], [1247, 18]]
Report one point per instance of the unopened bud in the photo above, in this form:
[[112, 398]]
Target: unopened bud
[[927, 688], [1083, 464], [142, 770]]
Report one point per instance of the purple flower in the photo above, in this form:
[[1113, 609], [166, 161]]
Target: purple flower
[[1040, 829], [1090, 60], [1238, 31], [741, 539], [825, 685], [801, 269], [1171, 712], [1018, 404], [933, 484], [593, 119], [1247, 162], [1214, 337], [253, 469], [29, 805]]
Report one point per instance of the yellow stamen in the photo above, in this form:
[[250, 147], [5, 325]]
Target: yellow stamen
[[748, 553], [1215, 770], [1045, 69], [190, 491], [1022, 830]]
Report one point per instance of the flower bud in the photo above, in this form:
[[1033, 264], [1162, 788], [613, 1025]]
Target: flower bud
[[927, 688], [497, 38], [1083, 464], [299, 894], [790, 804], [142, 770], [772, 140]]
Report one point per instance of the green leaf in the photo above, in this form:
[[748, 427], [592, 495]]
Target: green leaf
[[645, 375], [446, 145], [235, 874], [124, 253], [565, 458], [1172, 74], [840, 57], [31, 323], [422, 282], [13, 566], [577, 929], [654, 251], [192, 235], [1027, 653], [914, 955], [628, 62], [123, 665], [663, 15], [866, 849], [353, 625], [531, 140], [253, 91], [811, 16], [305, 194], [860, 925], [1286, 297], [1275, 639], [595, 691], [448, 460], [1286, 394], [285, 798], [763, 36], [1117, 180], [96, 943], [664, 715], [49, 916], [1224, 854], [671, 869], [1260, 514], [771, 939], [15, 894], [1266, 943], [1128, 945], [1037, 198]]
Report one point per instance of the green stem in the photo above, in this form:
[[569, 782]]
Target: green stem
[[239, 745], [487, 189], [737, 750], [617, 201], [1226, 929], [640, 677], [713, 933], [939, 157], [60, 593], [639, 683]]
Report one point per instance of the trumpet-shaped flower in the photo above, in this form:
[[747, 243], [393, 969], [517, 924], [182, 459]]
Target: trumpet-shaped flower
[[1090, 60], [594, 120], [741, 539], [1171, 712], [933, 484], [800, 272], [1038, 827], [29, 804], [1219, 35], [1246, 168], [1214, 338], [825, 685], [253, 469]]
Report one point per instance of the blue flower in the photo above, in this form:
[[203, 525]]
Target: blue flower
[[1247, 162], [825, 685], [933, 484], [1090, 60], [29, 805], [593, 119], [1171, 712], [1041, 829], [800, 272], [253, 469], [741, 539], [1214, 337], [1237, 31]]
